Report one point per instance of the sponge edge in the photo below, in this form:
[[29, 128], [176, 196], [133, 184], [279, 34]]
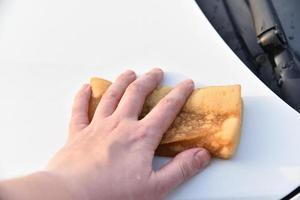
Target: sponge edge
[[98, 87], [222, 144], [211, 118]]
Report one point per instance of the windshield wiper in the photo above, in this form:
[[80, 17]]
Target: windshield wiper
[[271, 38]]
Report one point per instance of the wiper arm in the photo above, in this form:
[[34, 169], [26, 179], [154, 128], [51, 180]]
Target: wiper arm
[[271, 38]]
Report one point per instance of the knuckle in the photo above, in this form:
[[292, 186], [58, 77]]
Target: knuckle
[[185, 171], [112, 95], [136, 87], [161, 190], [172, 102], [140, 134]]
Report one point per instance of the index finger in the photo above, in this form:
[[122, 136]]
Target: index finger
[[160, 118]]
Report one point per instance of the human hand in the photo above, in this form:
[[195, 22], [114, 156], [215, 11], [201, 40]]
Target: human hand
[[111, 157]]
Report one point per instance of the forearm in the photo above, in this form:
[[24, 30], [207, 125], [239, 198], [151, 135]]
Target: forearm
[[40, 185]]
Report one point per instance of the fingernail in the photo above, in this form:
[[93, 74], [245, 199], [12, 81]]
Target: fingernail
[[189, 82], [203, 157], [85, 85], [129, 72], [156, 69]]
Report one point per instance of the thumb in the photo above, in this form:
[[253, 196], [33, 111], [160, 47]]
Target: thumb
[[185, 165]]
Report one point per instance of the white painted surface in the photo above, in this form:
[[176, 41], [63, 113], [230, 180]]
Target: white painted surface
[[49, 48]]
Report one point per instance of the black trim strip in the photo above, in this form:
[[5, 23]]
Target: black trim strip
[[292, 194]]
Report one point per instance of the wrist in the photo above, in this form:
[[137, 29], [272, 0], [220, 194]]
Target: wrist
[[68, 185], [39, 185]]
